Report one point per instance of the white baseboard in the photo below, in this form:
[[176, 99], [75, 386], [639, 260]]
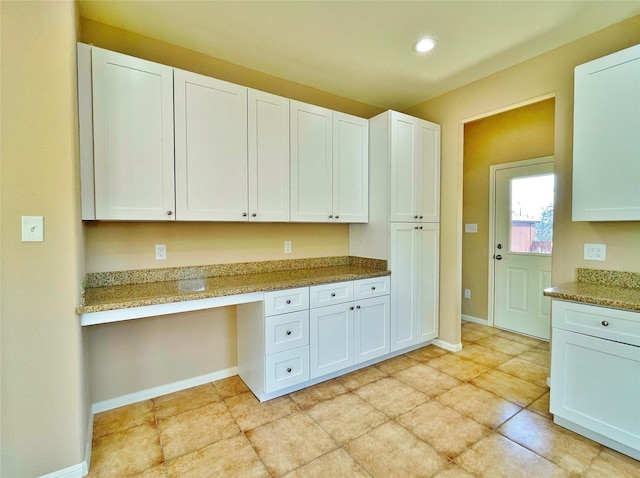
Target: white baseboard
[[475, 320], [74, 471], [447, 346], [154, 392]]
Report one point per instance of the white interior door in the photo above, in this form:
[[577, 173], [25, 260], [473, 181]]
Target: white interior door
[[522, 242]]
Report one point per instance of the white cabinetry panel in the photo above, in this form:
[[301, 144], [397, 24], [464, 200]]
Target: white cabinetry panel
[[211, 149], [606, 138], [331, 338], [133, 137], [268, 143]]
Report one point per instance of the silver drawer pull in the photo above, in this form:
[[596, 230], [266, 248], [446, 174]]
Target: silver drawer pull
[[288, 301], [373, 287], [605, 323], [288, 332], [333, 294], [289, 370], [357, 307], [350, 308]]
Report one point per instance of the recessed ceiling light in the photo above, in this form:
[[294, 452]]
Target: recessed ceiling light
[[424, 45]]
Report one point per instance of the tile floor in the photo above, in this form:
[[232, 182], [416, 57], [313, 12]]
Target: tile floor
[[482, 412]]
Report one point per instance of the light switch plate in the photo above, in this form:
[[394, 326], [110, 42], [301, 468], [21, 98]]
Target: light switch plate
[[32, 228], [471, 228]]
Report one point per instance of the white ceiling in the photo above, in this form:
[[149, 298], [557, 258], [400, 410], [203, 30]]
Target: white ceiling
[[362, 49]]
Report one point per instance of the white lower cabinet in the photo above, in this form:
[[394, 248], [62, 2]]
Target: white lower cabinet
[[297, 336], [595, 378]]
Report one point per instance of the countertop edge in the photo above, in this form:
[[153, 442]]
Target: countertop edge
[[266, 287]]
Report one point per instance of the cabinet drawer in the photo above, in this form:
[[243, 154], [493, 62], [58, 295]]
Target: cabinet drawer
[[286, 331], [613, 324], [374, 287], [328, 294], [287, 368], [288, 300]]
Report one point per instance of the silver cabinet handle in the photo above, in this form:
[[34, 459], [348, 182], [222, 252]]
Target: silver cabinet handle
[[244, 214], [288, 301], [289, 370], [357, 307], [373, 287], [351, 308], [288, 332], [253, 215], [333, 294], [169, 213], [330, 216], [605, 323]]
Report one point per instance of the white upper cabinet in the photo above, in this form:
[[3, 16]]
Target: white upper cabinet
[[132, 137], [606, 138], [350, 168], [211, 149], [415, 169], [329, 165], [268, 140]]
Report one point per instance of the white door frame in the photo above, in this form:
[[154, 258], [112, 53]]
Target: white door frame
[[492, 222]]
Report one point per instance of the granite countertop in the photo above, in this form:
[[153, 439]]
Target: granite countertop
[[619, 290], [126, 289]]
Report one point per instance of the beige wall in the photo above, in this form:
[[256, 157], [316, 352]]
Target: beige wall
[[551, 73], [44, 408], [208, 344], [521, 133]]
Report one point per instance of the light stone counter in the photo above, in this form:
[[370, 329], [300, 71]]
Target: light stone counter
[[108, 291], [619, 290]]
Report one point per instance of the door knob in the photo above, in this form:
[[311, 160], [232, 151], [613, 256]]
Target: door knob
[[498, 257]]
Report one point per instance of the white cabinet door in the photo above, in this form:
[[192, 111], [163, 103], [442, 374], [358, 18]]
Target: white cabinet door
[[414, 268], [133, 137], [595, 384], [428, 279], [211, 149], [350, 168], [415, 169], [404, 266], [330, 338], [311, 163], [268, 140], [371, 324], [606, 138]]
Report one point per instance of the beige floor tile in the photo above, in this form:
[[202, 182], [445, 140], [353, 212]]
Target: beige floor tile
[[424, 354], [497, 457], [250, 413], [560, 446], [396, 364], [529, 371], [544, 346], [123, 418], [228, 387], [310, 396], [337, 463], [232, 457], [483, 328], [195, 429], [361, 377], [179, 402], [523, 339], [509, 387], [611, 464], [426, 379], [159, 471], [506, 346], [537, 355], [290, 442], [346, 416], [473, 335], [446, 430], [126, 453], [483, 355], [541, 406], [392, 451], [458, 367], [484, 407], [391, 396], [455, 471]]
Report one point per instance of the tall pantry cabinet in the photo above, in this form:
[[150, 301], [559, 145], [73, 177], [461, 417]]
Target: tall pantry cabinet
[[404, 215]]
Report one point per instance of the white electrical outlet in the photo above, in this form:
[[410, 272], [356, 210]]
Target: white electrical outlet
[[467, 293], [595, 252], [161, 252], [287, 247], [32, 229]]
